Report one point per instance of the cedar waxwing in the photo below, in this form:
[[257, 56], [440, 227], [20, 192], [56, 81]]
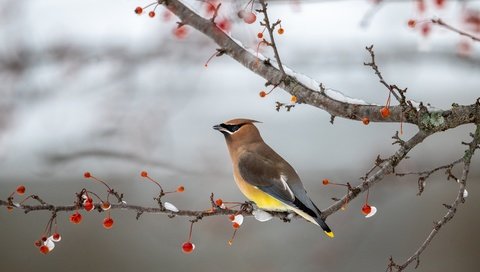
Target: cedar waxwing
[[263, 176]]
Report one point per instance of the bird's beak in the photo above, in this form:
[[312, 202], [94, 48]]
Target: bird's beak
[[217, 127]]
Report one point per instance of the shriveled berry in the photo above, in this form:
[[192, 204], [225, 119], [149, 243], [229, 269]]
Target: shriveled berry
[[38, 243], [106, 206], [76, 218], [412, 23], [188, 247], [9, 208], [108, 223], [21, 190], [293, 99]]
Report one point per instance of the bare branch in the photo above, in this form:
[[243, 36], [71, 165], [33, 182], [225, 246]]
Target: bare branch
[[441, 23]]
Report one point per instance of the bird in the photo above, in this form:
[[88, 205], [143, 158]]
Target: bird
[[263, 176]]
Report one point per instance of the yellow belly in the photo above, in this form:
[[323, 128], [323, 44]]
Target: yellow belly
[[261, 199]]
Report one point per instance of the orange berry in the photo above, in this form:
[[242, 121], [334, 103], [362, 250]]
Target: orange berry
[[366, 121], [21, 190], [235, 225], [108, 223], [144, 174], [366, 209], [180, 32], [87, 175], [293, 99], [262, 94], [106, 206], [180, 189], [219, 202], [325, 181], [385, 112], [231, 217], [412, 23], [280, 31]]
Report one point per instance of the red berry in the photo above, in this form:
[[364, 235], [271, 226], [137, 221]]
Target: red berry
[[385, 112], [144, 174], [219, 202], [151, 14], [88, 206], [44, 249], [235, 225], [262, 94], [250, 18], [44, 238], [225, 25], [325, 181], [260, 35], [440, 3], [412, 23], [87, 175], [56, 237], [180, 32], [180, 189], [280, 31], [188, 247], [366, 121], [108, 223], [139, 10], [366, 209], [21, 190], [231, 217], [426, 29], [76, 218]]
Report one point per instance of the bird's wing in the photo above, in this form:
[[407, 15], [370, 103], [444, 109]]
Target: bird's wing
[[266, 175]]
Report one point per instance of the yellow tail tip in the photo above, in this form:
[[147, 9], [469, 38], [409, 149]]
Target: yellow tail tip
[[329, 234]]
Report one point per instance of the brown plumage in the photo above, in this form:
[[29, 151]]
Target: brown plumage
[[263, 176]]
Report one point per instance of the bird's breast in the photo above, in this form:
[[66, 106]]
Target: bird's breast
[[261, 199]]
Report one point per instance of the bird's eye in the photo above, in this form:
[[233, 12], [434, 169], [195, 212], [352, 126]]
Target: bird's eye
[[231, 128]]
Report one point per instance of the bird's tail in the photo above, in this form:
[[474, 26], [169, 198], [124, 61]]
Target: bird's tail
[[324, 226]]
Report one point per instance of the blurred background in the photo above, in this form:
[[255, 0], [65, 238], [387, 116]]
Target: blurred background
[[90, 86]]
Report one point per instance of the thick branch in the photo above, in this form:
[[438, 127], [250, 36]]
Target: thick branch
[[454, 117]]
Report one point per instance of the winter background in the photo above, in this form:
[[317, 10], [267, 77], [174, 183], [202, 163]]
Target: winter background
[[89, 86]]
